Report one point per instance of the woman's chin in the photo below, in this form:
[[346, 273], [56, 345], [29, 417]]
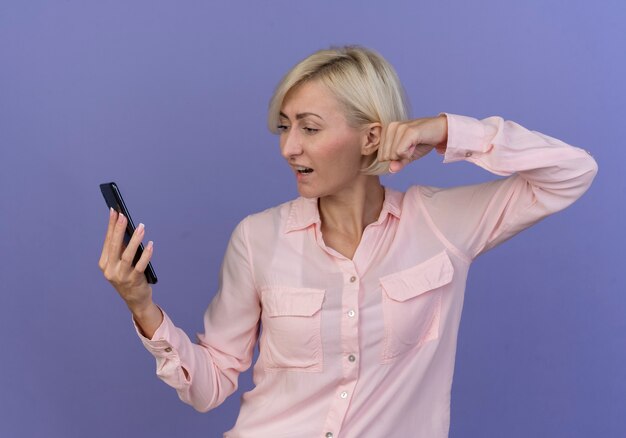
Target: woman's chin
[[311, 191], [306, 192]]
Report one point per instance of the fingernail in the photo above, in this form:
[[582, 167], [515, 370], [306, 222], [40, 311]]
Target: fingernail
[[120, 218], [111, 212], [140, 227], [150, 245]]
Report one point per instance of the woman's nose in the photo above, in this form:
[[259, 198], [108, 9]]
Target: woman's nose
[[290, 145]]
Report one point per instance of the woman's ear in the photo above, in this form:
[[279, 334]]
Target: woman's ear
[[372, 140]]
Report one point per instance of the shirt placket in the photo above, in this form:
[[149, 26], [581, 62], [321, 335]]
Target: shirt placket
[[349, 349], [350, 356]]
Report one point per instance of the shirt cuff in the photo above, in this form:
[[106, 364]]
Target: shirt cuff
[[468, 139], [161, 343]]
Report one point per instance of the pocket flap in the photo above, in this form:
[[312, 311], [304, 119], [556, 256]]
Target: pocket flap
[[431, 274], [292, 301]]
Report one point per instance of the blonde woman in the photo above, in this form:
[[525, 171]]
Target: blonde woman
[[354, 291]]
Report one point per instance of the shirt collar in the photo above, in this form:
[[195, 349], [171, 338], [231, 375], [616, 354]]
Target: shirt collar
[[303, 212]]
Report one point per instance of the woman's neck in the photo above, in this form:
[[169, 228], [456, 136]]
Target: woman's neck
[[348, 213]]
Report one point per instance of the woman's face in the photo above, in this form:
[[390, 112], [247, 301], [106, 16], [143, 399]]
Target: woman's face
[[317, 142]]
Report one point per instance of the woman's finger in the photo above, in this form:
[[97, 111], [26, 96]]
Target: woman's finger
[[403, 143], [131, 249], [104, 255], [398, 141], [396, 166], [117, 238], [145, 257], [380, 154], [391, 132], [399, 148]]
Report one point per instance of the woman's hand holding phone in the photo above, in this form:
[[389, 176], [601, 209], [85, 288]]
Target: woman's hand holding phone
[[130, 281]]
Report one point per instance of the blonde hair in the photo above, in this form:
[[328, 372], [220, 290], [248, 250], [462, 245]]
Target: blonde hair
[[361, 79]]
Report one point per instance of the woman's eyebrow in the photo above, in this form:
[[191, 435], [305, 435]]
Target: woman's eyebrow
[[300, 115]]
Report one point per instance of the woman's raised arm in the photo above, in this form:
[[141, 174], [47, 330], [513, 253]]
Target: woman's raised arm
[[544, 176]]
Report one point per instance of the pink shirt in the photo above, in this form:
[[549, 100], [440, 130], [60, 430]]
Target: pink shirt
[[364, 347]]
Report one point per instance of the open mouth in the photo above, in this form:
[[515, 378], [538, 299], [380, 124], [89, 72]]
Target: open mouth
[[303, 170]]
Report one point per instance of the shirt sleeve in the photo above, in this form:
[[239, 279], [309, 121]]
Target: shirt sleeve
[[543, 175], [205, 373]]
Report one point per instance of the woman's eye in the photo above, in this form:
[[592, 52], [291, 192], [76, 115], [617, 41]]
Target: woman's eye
[[282, 128], [310, 130]]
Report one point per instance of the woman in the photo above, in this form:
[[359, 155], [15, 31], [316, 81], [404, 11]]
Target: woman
[[358, 287]]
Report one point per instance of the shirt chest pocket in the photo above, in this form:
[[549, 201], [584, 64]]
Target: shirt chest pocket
[[291, 321], [411, 303]]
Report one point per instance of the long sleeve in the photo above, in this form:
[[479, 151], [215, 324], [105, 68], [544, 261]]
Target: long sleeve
[[225, 349], [544, 175]]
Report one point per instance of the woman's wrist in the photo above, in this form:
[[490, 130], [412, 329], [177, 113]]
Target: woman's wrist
[[441, 145], [148, 318]]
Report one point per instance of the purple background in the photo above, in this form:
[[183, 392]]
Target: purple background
[[169, 99]]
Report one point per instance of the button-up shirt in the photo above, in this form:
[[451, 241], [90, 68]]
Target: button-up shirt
[[364, 347]]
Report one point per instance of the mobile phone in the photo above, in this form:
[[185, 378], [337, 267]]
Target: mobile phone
[[114, 200]]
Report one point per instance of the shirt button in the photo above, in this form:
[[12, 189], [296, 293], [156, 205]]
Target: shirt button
[[352, 279], [329, 435], [468, 154], [344, 394], [352, 358], [351, 313], [168, 349]]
